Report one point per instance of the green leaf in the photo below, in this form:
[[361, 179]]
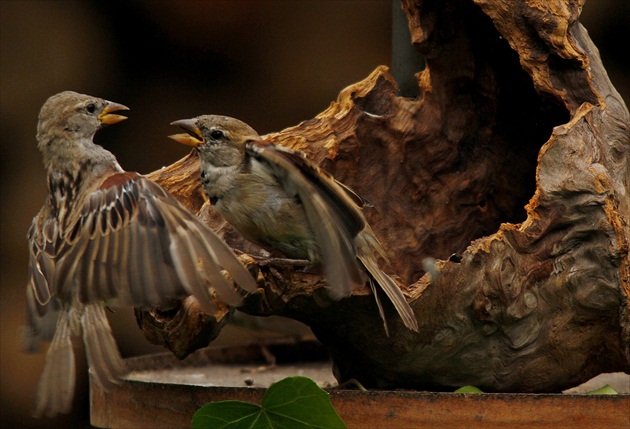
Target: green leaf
[[606, 390], [227, 414], [469, 389], [295, 402]]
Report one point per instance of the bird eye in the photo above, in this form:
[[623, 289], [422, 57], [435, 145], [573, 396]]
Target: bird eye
[[91, 108], [217, 134]]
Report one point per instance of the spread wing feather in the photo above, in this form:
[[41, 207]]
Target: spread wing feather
[[334, 220], [134, 244], [334, 214]]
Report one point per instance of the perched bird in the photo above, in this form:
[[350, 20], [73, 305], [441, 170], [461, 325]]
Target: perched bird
[[107, 237], [279, 200]]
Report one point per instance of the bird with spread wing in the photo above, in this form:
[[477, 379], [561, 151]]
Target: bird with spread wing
[[107, 237]]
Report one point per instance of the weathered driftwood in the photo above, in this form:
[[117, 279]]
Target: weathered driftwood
[[516, 110]]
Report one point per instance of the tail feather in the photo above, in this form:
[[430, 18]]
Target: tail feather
[[394, 294], [55, 391], [379, 305], [367, 245], [41, 322], [101, 348]]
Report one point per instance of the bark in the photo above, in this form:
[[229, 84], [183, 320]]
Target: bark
[[515, 110]]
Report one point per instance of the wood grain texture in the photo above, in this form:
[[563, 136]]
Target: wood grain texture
[[516, 110], [163, 392], [152, 405]]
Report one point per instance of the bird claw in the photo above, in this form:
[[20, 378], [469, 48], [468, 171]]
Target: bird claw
[[285, 262], [353, 382]]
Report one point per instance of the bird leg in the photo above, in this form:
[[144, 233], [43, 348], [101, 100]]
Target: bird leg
[[306, 265], [270, 358]]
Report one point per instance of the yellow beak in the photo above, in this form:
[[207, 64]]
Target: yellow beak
[[192, 137], [106, 117]]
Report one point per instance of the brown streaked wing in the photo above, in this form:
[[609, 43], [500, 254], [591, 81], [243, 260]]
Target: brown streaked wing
[[88, 291], [333, 217], [38, 281], [345, 201], [150, 255], [184, 251], [325, 179], [39, 266], [101, 280], [140, 246], [137, 275], [205, 242]]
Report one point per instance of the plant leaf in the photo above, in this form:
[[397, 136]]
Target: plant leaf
[[299, 402], [469, 389], [227, 415], [294, 402], [606, 390]]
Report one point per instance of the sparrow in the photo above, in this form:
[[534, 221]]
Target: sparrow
[[279, 200], [106, 237]]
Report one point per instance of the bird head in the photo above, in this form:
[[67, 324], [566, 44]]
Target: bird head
[[219, 140], [75, 116]]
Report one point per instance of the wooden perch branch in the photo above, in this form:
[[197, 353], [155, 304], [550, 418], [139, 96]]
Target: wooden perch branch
[[516, 110]]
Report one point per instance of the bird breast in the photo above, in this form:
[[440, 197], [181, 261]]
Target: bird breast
[[265, 214], [218, 181]]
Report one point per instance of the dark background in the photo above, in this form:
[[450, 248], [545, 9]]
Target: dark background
[[269, 63]]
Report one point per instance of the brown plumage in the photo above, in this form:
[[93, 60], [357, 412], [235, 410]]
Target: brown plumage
[[107, 237], [276, 198]]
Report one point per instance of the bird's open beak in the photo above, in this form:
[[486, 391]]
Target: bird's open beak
[[107, 117], [192, 136]]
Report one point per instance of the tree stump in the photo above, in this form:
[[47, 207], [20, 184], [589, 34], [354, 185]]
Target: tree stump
[[515, 110]]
